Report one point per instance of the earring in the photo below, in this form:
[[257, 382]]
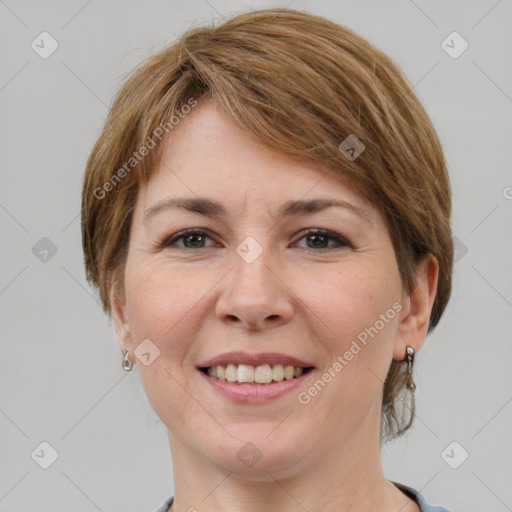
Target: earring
[[409, 355], [126, 365]]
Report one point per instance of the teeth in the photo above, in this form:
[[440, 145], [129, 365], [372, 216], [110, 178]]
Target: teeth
[[278, 372], [231, 373], [288, 372], [246, 373], [263, 374]]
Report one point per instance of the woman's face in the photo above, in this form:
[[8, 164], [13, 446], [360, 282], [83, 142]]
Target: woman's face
[[256, 284]]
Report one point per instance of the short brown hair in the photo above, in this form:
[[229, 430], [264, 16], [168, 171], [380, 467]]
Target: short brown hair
[[300, 84]]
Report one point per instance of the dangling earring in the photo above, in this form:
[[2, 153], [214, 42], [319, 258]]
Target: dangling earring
[[409, 355], [126, 365]]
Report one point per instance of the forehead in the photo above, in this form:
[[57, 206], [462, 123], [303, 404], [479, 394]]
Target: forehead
[[206, 155]]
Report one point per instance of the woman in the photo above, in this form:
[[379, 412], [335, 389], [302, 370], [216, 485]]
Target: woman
[[266, 216]]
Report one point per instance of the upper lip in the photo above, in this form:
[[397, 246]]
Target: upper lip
[[254, 359]]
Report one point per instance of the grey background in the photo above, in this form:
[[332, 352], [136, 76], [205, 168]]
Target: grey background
[[60, 375]]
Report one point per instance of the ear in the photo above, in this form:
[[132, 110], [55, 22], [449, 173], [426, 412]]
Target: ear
[[117, 298], [417, 308]]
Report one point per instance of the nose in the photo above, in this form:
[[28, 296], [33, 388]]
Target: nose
[[255, 296]]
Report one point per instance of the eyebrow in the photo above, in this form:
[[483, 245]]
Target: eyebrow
[[212, 208]]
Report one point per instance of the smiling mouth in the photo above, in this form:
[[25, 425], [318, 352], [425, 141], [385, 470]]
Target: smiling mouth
[[249, 374]]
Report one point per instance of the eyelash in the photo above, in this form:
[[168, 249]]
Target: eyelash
[[341, 242]]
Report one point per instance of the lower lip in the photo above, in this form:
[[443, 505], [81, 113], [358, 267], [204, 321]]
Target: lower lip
[[255, 393]]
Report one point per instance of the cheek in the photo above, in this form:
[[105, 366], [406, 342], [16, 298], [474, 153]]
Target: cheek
[[351, 299], [356, 307], [160, 296], [160, 299]]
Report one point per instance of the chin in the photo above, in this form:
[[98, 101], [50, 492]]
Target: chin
[[253, 455]]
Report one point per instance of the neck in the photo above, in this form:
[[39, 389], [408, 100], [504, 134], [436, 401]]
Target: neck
[[342, 478]]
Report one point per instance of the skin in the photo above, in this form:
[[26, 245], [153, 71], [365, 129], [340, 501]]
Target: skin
[[199, 300]]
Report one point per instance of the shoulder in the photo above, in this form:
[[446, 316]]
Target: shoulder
[[165, 506], [420, 500]]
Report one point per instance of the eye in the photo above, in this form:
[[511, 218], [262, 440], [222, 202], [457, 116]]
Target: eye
[[195, 239], [320, 237], [192, 239]]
